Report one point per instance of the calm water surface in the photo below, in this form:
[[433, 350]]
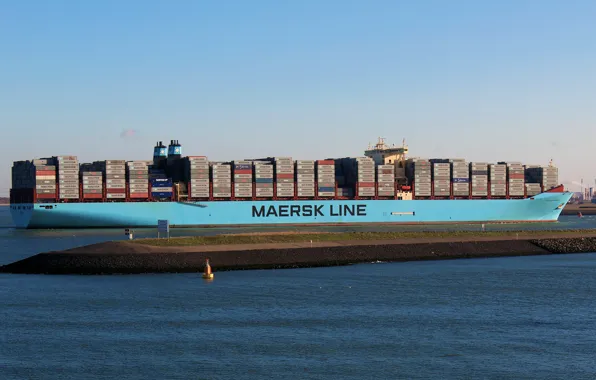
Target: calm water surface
[[505, 318]]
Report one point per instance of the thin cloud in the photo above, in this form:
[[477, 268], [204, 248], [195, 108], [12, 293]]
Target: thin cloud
[[128, 133]]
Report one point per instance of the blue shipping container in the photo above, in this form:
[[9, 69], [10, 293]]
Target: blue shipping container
[[161, 195], [264, 180], [461, 180], [161, 182], [327, 189]]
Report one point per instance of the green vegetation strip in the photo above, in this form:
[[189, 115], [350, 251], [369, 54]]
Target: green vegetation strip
[[291, 237]]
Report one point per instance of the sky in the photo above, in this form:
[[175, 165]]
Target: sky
[[311, 79]]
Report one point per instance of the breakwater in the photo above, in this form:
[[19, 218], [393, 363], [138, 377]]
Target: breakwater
[[130, 258]]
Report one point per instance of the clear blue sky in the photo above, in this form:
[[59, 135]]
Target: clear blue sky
[[486, 81]]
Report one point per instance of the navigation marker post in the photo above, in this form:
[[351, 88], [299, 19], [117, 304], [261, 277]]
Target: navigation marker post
[[163, 226]]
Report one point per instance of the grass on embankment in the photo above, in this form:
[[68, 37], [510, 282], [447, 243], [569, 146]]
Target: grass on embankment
[[293, 237]]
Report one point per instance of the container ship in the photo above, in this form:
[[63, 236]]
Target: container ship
[[382, 186]]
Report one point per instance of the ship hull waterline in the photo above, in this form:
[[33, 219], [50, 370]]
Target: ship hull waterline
[[545, 207]]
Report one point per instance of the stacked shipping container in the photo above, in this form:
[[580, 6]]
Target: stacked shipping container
[[365, 167], [441, 178], [515, 178], [263, 179], [460, 177], [162, 188], [222, 180], [61, 177], [547, 176], [479, 174], [355, 173], [345, 178], [533, 189], [386, 180], [498, 180], [68, 177], [138, 179], [325, 178], [420, 171], [92, 180], [115, 178], [197, 175], [45, 180], [24, 175], [400, 175], [305, 178], [284, 176], [37, 174], [243, 179]]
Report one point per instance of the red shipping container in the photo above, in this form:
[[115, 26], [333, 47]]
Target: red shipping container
[[285, 175], [325, 162], [45, 172], [366, 184], [139, 195], [244, 171], [115, 191], [92, 196], [516, 176], [46, 196]]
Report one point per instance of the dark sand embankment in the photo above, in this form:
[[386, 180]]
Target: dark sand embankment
[[126, 257]]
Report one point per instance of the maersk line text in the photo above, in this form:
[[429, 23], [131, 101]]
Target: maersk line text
[[284, 211]]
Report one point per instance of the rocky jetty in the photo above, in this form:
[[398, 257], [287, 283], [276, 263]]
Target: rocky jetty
[[567, 245]]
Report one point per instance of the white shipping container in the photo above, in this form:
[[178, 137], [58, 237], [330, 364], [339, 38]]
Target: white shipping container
[[45, 177], [138, 186], [162, 189], [45, 187], [115, 195], [93, 187], [198, 194], [116, 181], [115, 186], [138, 168], [69, 196]]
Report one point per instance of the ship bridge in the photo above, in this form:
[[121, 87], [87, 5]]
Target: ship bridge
[[383, 154]]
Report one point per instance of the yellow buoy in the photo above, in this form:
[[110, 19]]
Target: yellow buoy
[[207, 274]]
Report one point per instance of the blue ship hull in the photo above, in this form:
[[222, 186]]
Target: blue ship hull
[[545, 207]]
